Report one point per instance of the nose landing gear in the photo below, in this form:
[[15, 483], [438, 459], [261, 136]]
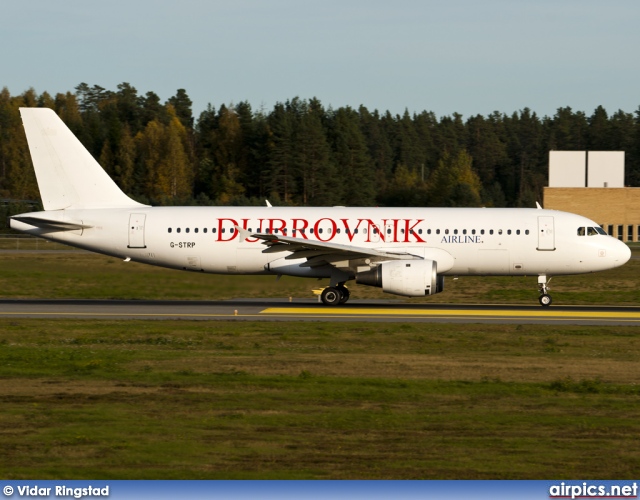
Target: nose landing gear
[[545, 298]]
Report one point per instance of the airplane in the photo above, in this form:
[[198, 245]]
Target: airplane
[[404, 251]]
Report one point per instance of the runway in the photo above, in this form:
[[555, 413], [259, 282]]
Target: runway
[[309, 310]]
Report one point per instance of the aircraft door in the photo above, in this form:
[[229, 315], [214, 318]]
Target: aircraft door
[[546, 233], [136, 231]]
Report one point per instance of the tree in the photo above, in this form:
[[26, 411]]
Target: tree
[[280, 176], [355, 173], [312, 160], [454, 183], [182, 105]]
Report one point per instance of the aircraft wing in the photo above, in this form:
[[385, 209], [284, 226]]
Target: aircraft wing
[[319, 253]]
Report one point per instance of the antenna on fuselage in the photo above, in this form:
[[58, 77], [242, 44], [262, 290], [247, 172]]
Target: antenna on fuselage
[[268, 204], [538, 206]]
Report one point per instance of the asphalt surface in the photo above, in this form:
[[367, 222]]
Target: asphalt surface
[[311, 310]]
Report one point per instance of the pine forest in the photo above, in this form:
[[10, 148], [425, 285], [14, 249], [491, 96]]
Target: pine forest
[[303, 153]]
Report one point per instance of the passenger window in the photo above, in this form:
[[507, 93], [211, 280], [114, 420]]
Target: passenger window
[[186, 230], [320, 230], [437, 231], [455, 231], [464, 231], [178, 230], [205, 230], [195, 230], [355, 231], [499, 231], [526, 231], [389, 231], [473, 231], [481, 231], [446, 231], [508, 231], [213, 230], [169, 229], [518, 232], [490, 231]]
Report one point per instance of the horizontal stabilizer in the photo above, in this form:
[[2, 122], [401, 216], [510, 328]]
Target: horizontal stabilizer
[[55, 225]]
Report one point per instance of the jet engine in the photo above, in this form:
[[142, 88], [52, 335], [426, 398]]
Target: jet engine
[[411, 278]]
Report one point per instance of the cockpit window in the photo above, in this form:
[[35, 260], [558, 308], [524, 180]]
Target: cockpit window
[[590, 231]]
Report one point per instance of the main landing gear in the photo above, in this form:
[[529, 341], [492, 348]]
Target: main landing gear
[[335, 295], [545, 298]]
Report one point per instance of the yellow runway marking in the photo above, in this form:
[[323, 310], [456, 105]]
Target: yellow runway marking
[[543, 313]]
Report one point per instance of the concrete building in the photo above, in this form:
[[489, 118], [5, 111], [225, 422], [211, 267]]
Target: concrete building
[[592, 184]]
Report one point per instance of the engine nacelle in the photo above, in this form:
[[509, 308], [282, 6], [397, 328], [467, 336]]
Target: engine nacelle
[[411, 278]]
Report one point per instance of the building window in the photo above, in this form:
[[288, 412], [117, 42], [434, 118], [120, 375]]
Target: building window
[[610, 229], [630, 233], [620, 231]]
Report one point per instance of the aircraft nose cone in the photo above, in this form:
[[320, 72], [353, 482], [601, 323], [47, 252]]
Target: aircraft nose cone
[[622, 253], [626, 254]]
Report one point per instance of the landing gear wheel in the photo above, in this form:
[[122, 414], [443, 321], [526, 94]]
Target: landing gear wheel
[[344, 291], [543, 288], [545, 300], [331, 296]]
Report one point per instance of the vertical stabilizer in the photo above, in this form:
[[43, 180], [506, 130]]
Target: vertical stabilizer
[[68, 176]]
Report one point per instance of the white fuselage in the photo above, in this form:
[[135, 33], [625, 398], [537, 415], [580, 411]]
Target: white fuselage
[[463, 241]]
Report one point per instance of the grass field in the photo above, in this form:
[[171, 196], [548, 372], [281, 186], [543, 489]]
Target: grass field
[[86, 275], [192, 399]]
